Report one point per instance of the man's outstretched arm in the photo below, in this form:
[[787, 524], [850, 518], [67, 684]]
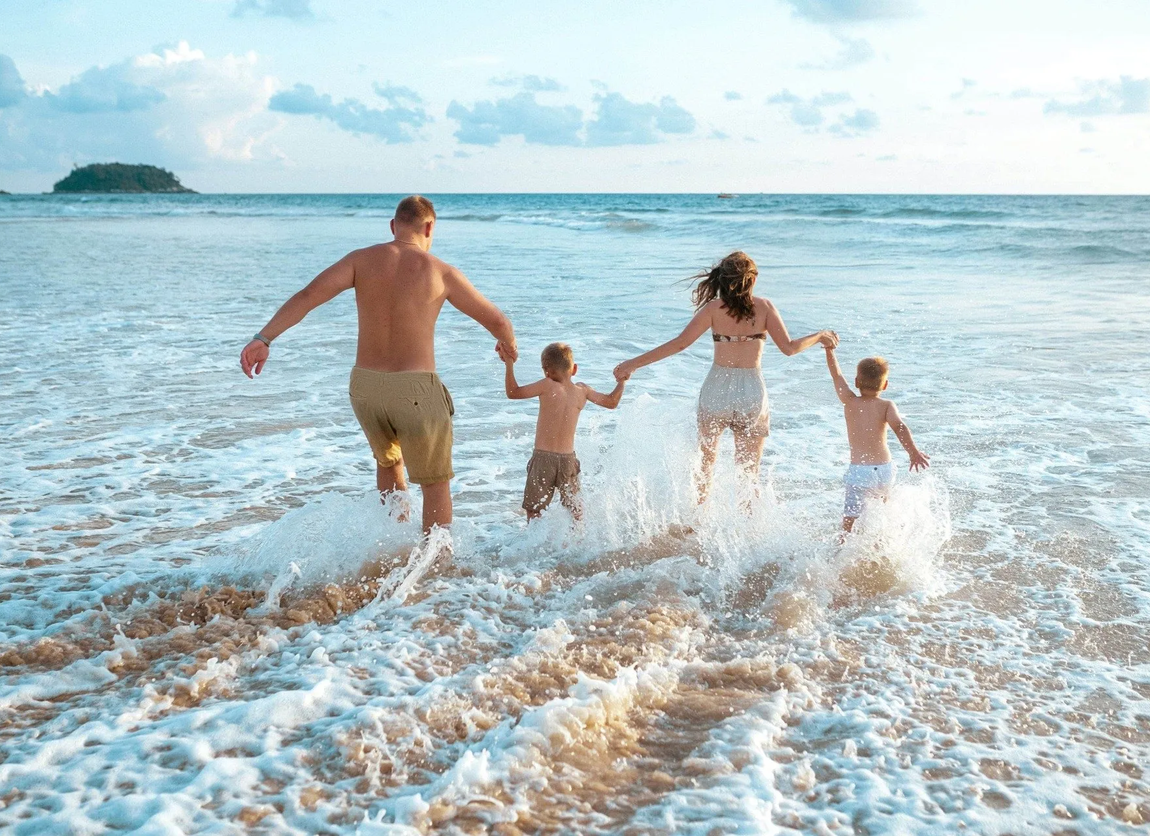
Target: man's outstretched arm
[[467, 300], [323, 288]]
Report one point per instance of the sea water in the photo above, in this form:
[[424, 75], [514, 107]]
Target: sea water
[[209, 623]]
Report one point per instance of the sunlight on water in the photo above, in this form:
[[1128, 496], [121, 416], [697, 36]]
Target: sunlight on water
[[209, 621]]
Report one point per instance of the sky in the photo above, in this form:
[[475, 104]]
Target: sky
[[859, 96]]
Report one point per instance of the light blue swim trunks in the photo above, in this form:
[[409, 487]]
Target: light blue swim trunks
[[866, 482]]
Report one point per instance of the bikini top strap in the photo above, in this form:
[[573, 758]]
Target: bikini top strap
[[738, 338]]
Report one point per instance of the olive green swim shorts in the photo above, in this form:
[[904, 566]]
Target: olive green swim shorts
[[406, 417]]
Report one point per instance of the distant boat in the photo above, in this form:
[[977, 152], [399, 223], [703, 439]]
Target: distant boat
[[726, 196]]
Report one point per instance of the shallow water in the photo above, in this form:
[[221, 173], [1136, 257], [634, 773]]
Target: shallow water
[[205, 623]]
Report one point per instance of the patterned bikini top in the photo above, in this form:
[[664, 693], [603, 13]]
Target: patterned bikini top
[[737, 338]]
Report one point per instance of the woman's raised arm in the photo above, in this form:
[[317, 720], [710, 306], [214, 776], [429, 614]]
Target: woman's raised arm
[[698, 326], [778, 331]]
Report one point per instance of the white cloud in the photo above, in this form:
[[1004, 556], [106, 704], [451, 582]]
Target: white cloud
[[11, 84], [852, 52], [1107, 98], [294, 9], [485, 123], [395, 123], [851, 11], [616, 121], [967, 83], [619, 121], [531, 83], [808, 113], [860, 122], [174, 107]]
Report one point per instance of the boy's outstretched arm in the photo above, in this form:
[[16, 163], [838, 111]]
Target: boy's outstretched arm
[[918, 459], [842, 388], [512, 387], [608, 401]]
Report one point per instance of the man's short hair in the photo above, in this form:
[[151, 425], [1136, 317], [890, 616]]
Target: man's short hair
[[414, 211], [557, 357], [871, 374]]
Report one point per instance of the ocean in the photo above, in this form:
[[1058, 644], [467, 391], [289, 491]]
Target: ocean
[[206, 623]]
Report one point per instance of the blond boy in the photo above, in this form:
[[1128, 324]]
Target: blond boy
[[871, 472], [553, 465]]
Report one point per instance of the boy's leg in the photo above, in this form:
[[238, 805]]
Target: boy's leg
[[848, 523], [436, 505], [540, 486], [709, 432], [570, 490]]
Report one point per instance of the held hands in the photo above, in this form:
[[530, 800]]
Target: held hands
[[253, 357], [919, 460], [624, 371], [829, 340], [508, 352]]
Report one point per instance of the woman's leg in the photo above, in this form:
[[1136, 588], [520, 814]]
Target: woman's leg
[[709, 432], [748, 453]]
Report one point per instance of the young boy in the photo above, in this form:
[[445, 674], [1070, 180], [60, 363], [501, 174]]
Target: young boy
[[871, 473], [553, 465]]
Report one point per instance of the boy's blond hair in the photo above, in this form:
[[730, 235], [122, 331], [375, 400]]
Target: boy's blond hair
[[557, 358], [871, 374]]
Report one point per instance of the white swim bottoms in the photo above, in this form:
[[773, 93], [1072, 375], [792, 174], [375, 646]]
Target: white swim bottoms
[[866, 482], [735, 398]]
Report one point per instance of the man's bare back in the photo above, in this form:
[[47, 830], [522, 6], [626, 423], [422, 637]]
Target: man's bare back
[[400, 289]]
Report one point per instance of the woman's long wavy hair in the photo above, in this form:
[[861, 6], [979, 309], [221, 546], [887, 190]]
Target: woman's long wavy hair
[[731, 281]]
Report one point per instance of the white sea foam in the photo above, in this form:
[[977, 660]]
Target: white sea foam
[[208, 621]]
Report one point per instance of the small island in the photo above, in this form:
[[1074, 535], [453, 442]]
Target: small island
[[118, 178]]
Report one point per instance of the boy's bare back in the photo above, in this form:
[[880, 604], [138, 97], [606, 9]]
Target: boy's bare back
[[868, 416], [560, 403]]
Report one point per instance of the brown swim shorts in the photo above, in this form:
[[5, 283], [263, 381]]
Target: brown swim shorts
[[545, 473], [406, 417]]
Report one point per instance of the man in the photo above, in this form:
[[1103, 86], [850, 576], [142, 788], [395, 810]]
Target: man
[[404, 409]]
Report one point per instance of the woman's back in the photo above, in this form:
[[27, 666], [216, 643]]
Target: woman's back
[[738, 342]]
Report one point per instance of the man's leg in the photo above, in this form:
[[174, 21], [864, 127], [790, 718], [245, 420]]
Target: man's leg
[[389, 479], [436, 505]]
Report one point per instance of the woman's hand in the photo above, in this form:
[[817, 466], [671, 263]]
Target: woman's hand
[[624, 371], [829, 339]]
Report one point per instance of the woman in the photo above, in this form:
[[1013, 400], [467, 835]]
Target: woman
[[733, 395]]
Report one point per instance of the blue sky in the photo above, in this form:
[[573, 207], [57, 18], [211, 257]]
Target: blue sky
[[771, 95]]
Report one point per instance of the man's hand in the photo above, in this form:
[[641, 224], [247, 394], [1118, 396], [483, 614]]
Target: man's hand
[[253, 357], [508, 352], [919, 460]]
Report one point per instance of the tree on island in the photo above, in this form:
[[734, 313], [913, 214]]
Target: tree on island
[[118, 177]]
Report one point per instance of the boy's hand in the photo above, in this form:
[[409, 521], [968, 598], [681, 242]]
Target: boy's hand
[[508, 352], [919, 460]]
